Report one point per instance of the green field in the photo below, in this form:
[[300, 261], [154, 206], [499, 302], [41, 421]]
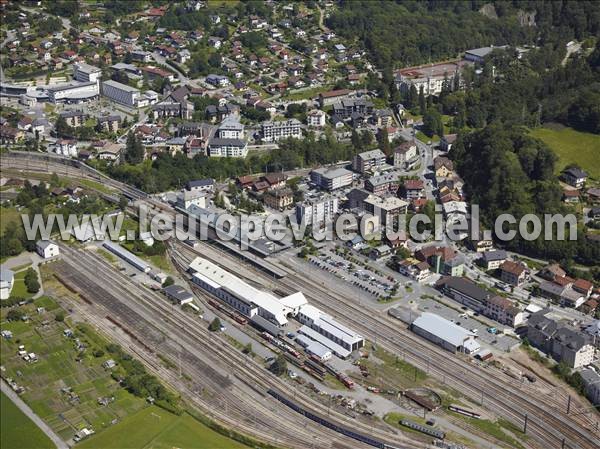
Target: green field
[[8, 215], [17, 431], [155, 428], [572, 146], [19, 288], [58, 369]]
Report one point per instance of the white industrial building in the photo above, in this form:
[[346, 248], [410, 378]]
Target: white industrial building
[[445, 333], [243, 297], [121, 93], [324, 329], [75, 92], [46, 249], [86, 73], [127, 256], [314, 348]]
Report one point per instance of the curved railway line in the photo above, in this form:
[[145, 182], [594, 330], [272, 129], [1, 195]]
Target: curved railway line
[[550, 426], [187, 329]]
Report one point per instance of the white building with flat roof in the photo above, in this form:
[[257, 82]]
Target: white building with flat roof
[[317, 211], [121, 93], [243, 297], [86, 73], [273, 131], [324, 329], [331, 178], [445, 333]]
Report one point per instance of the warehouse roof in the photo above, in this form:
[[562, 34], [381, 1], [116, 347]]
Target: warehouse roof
[[442, 328], [221, 278], [335, 348]]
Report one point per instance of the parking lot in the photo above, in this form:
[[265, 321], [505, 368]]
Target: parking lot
[[363, 278]]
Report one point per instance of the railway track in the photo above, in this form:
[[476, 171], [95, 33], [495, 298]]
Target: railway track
[[548, 426], [552, 427], [239, 365]]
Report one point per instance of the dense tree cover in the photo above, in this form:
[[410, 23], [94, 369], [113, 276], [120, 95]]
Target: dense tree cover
[[31, 281], [168, 172], [529, 92], [137, 381], [408, 32], [254, 40], [506, 171], [134, 150]]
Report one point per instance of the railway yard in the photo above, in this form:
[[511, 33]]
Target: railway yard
[[236, 390]]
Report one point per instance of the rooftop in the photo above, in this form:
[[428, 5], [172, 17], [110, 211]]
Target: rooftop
[[442, 328]]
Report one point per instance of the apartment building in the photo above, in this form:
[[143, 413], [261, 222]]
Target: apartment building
[[274, 131], [331, 178], [316, 118], [513, 273], [317, 211], [387, 183], [562, 343], [480, 300], [368, 160]]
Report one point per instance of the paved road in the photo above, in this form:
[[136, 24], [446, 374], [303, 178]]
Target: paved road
[[60, 444]]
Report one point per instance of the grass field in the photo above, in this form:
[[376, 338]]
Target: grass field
[[19, 287], [8, 215], [155, 428], [572, 146], [17, 431], [57, 369]]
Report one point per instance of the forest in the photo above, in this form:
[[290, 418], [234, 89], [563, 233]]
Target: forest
[[409, 32]]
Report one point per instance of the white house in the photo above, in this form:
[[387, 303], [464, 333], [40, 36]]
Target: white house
[[66, 147], [46, 249], [7, 280]]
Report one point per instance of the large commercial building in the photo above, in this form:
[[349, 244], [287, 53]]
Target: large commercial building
[[273, 131], [445, 333], [481, 300], [326, 330], [317, 211], [86, 73], [75, 92], [243, 297], [331, 178], [121, 93]]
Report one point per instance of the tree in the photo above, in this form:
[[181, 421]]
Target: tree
[[31, 281], [62, 128], [247, 348], [432, 123], [14, 315], [134, 150], [123, 202], [279, 366], [215, 324], [422, 101], [384, 141], [168, 281], [60, 316]]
